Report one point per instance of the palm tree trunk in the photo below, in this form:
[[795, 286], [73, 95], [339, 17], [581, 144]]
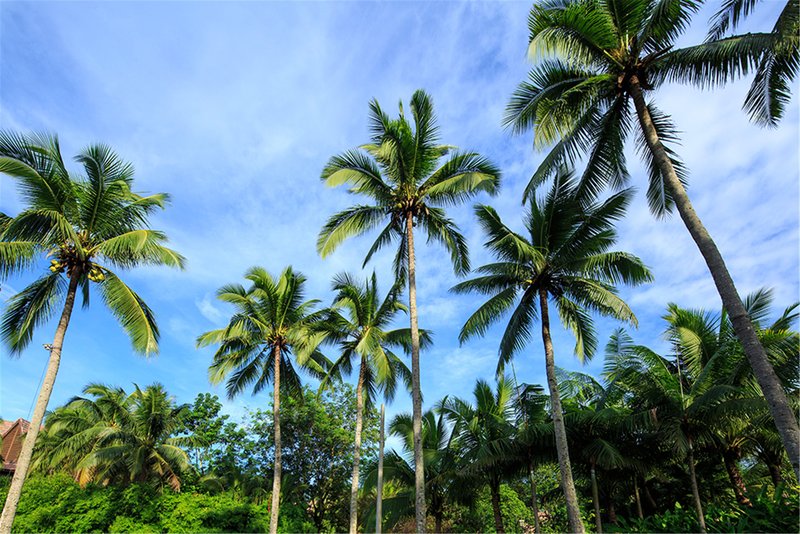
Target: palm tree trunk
[[598, 521], [782, 413], [379, 503], [695, 491], [276, 418], [416, 398], [636, 496], [537, 529], [650, 500], [26, 452], [774, 473], [357, 452], [438, 524], [494, 486], [735, 476], [567, 485]]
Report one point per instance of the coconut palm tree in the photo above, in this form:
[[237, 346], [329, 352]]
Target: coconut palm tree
[[399, 172], [115, 437], [361, 333], [485, 432], [597, 57], [564, 259], [88, 224], [271, 323], [770, 91]]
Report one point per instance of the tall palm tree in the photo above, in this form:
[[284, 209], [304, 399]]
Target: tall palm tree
[[598, 56], [770, 91], [485, 432], [564, 259], [271, 323], [362, 335], [399, 171], [88, 224], [115, 437]]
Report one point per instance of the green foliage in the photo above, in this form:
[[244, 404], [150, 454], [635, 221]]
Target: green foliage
[[480, 517]]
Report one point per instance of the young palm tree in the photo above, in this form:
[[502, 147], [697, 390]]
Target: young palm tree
[[362, 334], [599, 55], [116, 438], [88, 224], [486, 435], [401, 175], [271, 323], [565, 259], [770, 91]]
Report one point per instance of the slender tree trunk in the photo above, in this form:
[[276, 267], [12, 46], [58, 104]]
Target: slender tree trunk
[[357, 453], [26, 452], [494, 486], [638, 499], [537, 529], [567, 485], [598, 521], [416, 397], [438, 525], [379, 503], [730, 457], [611, 509], [774, 473], [695, 491], [782, 413], [276, 417], [650, 500]]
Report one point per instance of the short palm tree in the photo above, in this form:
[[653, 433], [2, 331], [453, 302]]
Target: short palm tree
[[486, 435], [115, 437], [598, 56], [564, 259], [272, 322], [399, 171], [362, 334], [88, 224], [770, 91]]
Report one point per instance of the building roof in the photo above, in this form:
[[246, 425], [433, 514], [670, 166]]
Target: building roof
[[12, 434]]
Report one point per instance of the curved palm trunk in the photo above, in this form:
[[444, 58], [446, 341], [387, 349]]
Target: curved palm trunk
[[775, 473], [779, 407], [730, 458], [357, 453], [639, 513], [596, 501], [24, 460], [494, 486], [695, 491], [416, 399], [379, 504], [567, 485], [276, 417], [537, 529]]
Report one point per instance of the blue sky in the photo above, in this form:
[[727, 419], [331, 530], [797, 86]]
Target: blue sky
[[234, 108]]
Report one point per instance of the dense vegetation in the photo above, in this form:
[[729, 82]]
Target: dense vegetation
[[702, 436]]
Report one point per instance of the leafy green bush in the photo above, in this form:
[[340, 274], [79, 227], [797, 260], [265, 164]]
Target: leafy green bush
[[481, 516]]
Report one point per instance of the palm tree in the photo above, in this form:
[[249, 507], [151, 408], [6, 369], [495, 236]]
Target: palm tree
[[485, 433], [777, 69], [88, 224], [598, 56], [362, 334], [271, 323], [399, 172], [564, 259], [442, 465], [116, 438]]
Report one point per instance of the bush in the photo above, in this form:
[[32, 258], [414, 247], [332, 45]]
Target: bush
[[481, 516]]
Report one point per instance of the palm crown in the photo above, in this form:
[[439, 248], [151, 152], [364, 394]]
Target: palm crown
[[87, 224], [565, 256], [399, 171], [596, 54]]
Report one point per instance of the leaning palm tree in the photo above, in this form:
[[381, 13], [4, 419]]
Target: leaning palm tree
[[88, 224], [271, 323], [362, 334], [770, 91], [564, 259], [399, 172], [597, 57], [486, 435], [115, 437]]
